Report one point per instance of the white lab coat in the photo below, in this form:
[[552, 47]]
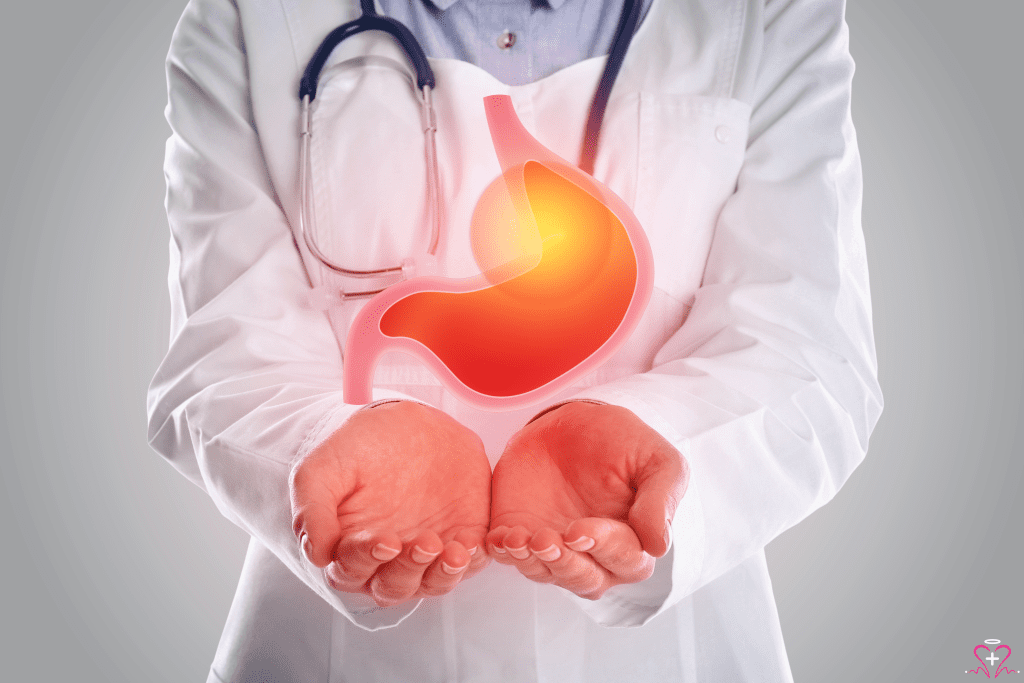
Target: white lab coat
[[728, 132]]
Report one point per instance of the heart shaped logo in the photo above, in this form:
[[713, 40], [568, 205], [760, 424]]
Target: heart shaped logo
[[992, 658], [567, 273]]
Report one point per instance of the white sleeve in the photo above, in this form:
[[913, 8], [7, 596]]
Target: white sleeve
[[769, 388], [252, 378]]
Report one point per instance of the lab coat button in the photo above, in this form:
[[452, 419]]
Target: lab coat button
[[506, 40], [722, 134]]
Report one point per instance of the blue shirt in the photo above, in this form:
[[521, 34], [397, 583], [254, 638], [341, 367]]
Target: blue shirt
[[516, 41]]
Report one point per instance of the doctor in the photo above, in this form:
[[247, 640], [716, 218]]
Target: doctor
[[750, 382]]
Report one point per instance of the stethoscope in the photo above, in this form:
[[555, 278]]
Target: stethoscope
[[371, 21]]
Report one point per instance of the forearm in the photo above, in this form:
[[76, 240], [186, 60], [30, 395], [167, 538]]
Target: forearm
[[252, 378], [769, 388]]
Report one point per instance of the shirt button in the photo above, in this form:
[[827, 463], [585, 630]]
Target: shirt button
[[722, 134], [506, 40]]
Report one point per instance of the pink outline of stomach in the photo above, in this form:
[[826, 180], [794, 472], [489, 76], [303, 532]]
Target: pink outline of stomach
[[599, 280]]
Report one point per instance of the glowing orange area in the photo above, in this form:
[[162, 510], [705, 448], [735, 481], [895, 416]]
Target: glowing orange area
[[520, 334], [504, 245]]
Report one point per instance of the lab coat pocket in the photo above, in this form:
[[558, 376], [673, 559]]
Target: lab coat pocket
[[367, 168], [690, 153]]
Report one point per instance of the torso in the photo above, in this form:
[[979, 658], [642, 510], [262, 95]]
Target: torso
[[671, 147]]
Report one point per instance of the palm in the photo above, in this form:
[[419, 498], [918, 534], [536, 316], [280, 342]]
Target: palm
[[395, 503], [407, 481], [581, 498], [550, 478]]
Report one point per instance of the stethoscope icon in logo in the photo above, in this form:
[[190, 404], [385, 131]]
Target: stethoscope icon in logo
[[992, 646]]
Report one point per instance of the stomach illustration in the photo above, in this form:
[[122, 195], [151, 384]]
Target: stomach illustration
[[567, 273]]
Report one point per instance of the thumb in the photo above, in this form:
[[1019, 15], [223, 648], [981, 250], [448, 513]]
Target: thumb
[[317, 489], [660, 486]]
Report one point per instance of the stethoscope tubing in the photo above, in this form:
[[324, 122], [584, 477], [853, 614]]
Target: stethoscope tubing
[[306, 211], [367, 22], [425, 81], [628, 21]]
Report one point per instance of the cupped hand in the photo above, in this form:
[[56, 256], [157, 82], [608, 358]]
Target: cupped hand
[[395, 504], [583, 497]]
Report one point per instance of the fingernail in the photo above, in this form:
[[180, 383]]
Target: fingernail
[[549, 554], [668, 533], [382, 601], [306, 545], [498, 549], [472, 551], [329, 573], [581, 544], [519, 553], [422, 556], [383, 553], [378, 597], [449, 569]]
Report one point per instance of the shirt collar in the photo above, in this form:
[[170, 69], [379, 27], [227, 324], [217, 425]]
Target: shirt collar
[[445, 4]]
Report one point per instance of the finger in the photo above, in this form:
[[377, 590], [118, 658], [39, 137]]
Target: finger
[[546, 545], [316, 490], [517, 545], [495, 548], [615, 548], [399, 579], [659, 488], [357, 556], [548, 548], [473, 541], [340, 582], [573, 570], [446, 571], [515, 542]]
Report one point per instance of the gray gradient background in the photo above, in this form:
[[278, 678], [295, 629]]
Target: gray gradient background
[[115, 568]]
